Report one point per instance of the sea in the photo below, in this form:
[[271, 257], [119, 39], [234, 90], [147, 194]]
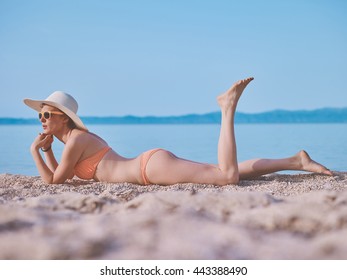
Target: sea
[[326, 143]]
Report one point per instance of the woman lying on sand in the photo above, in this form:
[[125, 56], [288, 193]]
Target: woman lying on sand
[[88, 156]]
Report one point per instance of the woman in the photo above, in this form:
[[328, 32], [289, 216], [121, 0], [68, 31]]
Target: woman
[[89, 157]]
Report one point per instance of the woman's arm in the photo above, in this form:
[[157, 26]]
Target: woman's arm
[[52, 162], [49, 155], [40, 141], [60, 172], [50, 159]]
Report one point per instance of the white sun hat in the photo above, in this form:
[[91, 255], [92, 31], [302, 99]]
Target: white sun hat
[[62, 101]]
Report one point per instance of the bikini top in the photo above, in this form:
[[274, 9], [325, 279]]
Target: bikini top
[[86, 168]]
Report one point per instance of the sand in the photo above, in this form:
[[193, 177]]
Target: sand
[[273, 217]]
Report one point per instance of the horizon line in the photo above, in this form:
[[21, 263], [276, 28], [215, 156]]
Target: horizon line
[[188, 114]]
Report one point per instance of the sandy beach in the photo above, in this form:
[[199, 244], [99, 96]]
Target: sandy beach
[[273, 217]]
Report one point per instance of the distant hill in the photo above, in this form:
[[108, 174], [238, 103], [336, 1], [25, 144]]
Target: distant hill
[[325, 115]]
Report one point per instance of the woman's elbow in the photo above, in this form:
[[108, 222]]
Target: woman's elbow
[[58, 181], [52, 180]]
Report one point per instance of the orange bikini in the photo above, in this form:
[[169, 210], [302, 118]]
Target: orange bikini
[[145, 157], [86, 168]]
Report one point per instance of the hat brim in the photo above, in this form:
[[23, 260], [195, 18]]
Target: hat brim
[[37, 104]]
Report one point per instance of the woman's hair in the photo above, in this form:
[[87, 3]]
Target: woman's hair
[[71, 123]]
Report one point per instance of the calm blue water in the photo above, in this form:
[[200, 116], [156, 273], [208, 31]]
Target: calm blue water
[[326, 143]]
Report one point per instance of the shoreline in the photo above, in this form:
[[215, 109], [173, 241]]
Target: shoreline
[[301, 216]]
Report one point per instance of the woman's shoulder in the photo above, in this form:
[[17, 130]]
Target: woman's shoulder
[[81, 136], [78, 135], [85, 143]]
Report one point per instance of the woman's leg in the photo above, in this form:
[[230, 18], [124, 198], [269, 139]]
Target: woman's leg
[[300, 161], [227, 152], [165, 168]]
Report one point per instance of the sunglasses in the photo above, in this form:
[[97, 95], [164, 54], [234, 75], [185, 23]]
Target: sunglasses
[[48, 114]]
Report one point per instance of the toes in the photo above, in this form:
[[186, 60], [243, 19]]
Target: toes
[[245, 81], [327, 172], [249, 79]]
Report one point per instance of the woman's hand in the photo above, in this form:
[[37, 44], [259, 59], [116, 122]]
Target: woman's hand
[[42, 141]]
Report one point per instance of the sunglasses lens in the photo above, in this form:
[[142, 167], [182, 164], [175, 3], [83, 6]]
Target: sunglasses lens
[[46, 115]]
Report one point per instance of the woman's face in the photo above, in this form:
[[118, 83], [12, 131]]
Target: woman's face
[[55, 122]]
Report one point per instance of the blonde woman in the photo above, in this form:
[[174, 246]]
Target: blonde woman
[[88, 156]]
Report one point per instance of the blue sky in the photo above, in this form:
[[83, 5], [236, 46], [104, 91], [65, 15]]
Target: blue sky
[[154, 57]]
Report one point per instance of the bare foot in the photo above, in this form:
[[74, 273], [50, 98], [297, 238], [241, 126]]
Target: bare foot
[[230, 98], [307, 164]]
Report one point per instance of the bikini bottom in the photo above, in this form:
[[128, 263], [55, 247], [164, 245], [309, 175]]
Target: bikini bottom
[[145, 157]]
